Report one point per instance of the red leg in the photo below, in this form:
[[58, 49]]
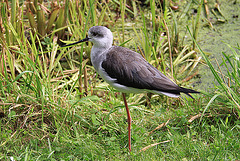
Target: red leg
[[129, 119]]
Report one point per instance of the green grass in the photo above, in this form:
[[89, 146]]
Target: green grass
[[53, 106], [98, 136]]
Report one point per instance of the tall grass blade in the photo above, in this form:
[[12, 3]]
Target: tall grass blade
[[209, 103], [52, 18]]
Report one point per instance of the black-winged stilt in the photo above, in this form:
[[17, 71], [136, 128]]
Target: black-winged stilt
[[126, 70]]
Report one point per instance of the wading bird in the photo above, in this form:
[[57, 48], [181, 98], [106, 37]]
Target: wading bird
[[126, 70]]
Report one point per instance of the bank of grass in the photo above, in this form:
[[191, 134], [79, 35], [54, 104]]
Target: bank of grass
[[55, 110], [90, 133]]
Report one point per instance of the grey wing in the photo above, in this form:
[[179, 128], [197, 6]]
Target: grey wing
[[131, 69]]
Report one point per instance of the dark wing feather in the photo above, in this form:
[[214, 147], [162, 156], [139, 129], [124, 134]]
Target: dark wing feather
[[131, 69]]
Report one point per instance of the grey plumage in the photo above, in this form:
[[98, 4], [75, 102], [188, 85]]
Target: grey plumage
[[131, 69]]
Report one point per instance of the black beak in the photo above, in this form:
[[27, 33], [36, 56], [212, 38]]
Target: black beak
[[83, 40]]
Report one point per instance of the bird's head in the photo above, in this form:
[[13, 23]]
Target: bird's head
[[100, 36]]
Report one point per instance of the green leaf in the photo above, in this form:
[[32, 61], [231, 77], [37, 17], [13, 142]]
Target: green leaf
[[94, 120]]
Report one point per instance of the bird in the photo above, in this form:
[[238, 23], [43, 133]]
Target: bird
[[126, 70]]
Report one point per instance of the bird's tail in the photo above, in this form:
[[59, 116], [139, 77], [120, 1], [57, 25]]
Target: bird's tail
[[188, 91]]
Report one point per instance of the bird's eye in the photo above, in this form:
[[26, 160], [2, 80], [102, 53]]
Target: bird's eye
[[94, 34]]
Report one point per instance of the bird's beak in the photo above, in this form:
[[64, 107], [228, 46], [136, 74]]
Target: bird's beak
[[83, 40]]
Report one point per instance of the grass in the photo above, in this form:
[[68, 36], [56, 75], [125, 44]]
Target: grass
[[53, 106]]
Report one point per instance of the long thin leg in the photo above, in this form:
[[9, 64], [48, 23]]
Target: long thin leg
[[129, 119]]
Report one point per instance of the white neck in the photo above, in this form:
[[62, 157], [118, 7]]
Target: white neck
[[98, 54]]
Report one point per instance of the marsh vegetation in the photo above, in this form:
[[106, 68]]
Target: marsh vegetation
[[54, 106]]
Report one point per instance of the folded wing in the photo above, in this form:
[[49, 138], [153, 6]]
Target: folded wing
[[131, 69]]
